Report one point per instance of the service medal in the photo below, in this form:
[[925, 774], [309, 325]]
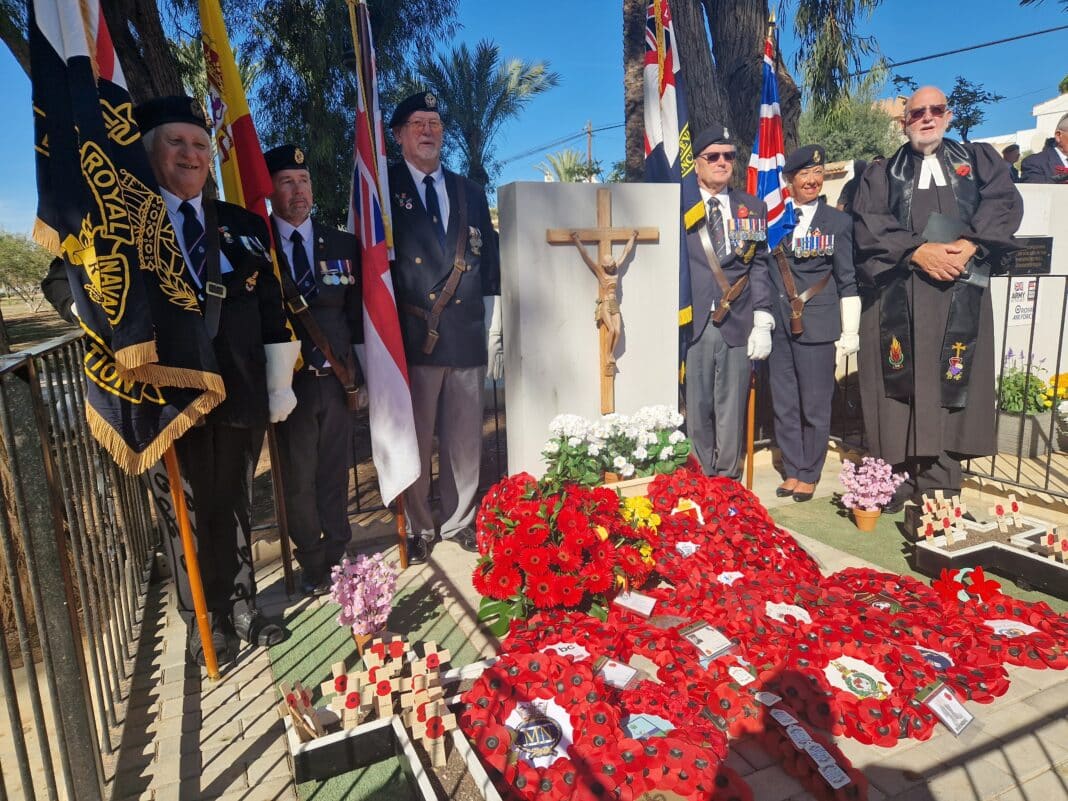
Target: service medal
[[474, 239]]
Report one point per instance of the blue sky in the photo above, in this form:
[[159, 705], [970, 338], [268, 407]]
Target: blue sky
[[583, 43]]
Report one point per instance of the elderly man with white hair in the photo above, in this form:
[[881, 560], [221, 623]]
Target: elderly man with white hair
[[933, 222]]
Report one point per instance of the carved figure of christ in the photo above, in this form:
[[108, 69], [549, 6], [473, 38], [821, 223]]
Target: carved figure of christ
[[605, 269]]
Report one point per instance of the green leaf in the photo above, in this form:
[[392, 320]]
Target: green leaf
[[599, 612], [496, 615]]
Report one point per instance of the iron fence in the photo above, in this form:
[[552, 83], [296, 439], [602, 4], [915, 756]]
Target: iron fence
[[76, 539]]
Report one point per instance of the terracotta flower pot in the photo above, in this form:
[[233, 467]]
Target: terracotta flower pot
[[866, 518], [361, 641]]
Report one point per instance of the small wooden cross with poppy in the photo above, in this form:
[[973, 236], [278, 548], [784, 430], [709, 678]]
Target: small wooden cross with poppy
[[347, 701], [296, 705], [380, 694], [432, 659], [926, 528], [432, 732], [999, 512]]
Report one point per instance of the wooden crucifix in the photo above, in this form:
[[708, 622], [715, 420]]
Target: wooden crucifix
[[606, 270]]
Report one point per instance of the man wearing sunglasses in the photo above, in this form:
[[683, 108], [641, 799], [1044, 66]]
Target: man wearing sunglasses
[[732, 301], [932, 223], [1049, 165], [447, 280]]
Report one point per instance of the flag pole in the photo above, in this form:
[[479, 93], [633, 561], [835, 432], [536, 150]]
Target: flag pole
[[278, 490], [402, 534], [750, 428], [189, 551]]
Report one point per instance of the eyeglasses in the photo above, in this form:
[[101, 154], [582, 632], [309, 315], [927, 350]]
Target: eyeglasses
[[712, 158], [917, 114], [425, 125]]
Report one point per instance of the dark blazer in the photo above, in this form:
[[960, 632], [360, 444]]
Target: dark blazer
[[251, 314], [757, 294], [822, 318], [1041, 167], [421, 268], [337, 308]]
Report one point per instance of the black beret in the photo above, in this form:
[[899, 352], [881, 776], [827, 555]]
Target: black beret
[[172, 108], [714, 134], [807, 156], [421, 101], [284, 157]]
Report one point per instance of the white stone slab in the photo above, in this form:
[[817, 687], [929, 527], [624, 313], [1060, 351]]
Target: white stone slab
[[548, 292]]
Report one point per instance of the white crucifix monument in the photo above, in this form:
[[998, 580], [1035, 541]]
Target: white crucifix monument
[[590, 287]]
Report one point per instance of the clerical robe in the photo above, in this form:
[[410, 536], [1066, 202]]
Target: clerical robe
[[922, 426]]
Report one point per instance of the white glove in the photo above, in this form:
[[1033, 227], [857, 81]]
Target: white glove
[[759, 346], [849, 342], [362, 398], [281, 357], [494, 338]]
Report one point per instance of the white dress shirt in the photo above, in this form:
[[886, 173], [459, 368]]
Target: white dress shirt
[[724, 201], [178, 221], [285, 231], [805, 213], [439, 186]]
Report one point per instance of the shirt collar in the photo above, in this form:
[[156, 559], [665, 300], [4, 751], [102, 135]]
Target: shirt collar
[[173, 202], [418, 175], [723, 198], [285, 230]]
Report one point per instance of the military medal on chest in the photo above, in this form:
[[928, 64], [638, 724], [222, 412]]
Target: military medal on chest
[[336, 272], [813, 244], [745, 228]]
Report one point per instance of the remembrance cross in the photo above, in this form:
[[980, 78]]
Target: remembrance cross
[[605, 269]]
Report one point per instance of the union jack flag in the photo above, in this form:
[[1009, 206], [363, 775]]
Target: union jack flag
[[668, 144], [764, 176], [393, 445]]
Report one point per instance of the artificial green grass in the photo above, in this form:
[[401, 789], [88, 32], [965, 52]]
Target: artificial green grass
[[316, 642], [823, 520]]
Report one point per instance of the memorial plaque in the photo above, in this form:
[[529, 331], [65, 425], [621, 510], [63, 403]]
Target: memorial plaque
[[1036, 257]]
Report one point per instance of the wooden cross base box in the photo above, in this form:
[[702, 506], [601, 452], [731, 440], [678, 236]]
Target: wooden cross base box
[[1020, 557], [381, 739]]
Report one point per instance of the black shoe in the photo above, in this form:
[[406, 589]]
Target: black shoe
[[897, 502], [195, 647], [466, 539], [782, 492], [418, 550], [801, 497], [313, 587], [255, 629]]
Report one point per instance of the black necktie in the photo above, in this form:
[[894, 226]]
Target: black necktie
[[715, 228], [433, 209], [193, 234], [302, 271]]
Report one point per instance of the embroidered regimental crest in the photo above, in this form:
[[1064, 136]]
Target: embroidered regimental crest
[[538, 734], [956, 362], [896, 356], [936, 659], [857, 677], [298, 155]]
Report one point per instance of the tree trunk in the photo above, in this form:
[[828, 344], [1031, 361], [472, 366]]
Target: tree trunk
[[634, 12], [13, 34], [706, 92], [150, 67]]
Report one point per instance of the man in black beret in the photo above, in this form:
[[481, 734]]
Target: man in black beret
[[817, 314], [446, 276], [226, 251], [732, 302], [320, 269]]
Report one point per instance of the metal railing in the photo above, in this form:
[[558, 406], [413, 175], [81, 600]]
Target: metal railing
[[1030, 330], [76, 539]]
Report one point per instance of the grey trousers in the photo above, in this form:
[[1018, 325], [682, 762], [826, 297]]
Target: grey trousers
[[717, 379], [451, 399]]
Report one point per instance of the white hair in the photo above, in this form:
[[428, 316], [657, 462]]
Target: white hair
[[1063, 124]]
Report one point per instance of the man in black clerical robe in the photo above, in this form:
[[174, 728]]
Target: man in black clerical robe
[[932, 223]]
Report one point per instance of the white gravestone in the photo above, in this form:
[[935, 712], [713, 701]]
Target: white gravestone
[[551, 342]]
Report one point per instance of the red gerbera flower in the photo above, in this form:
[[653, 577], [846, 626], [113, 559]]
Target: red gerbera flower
[[535, 560], [596, 579], [579, 539], [630, 560], [530, 532], [503, 581], [564, 557], [480, 578], [541, 590], [568, 590], [570, 520]]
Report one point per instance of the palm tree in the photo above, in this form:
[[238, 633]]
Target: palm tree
[[567, 166], [190, 56], [479, 94]]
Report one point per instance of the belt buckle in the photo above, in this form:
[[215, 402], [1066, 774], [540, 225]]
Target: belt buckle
[[215, 290], [297, 304]]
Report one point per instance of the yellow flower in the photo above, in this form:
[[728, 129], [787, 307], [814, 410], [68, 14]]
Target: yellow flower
[[602, 532], [645, 549], [1047, 403], [649, 561], [654, 520], [621, 581]]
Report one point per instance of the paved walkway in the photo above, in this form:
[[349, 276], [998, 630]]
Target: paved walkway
[[187, 738]]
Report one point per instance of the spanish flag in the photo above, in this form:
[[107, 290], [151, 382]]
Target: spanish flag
[[245, 179], [149, 363]]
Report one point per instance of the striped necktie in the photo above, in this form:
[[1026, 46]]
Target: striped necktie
[[715, 228], [193, 234]]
